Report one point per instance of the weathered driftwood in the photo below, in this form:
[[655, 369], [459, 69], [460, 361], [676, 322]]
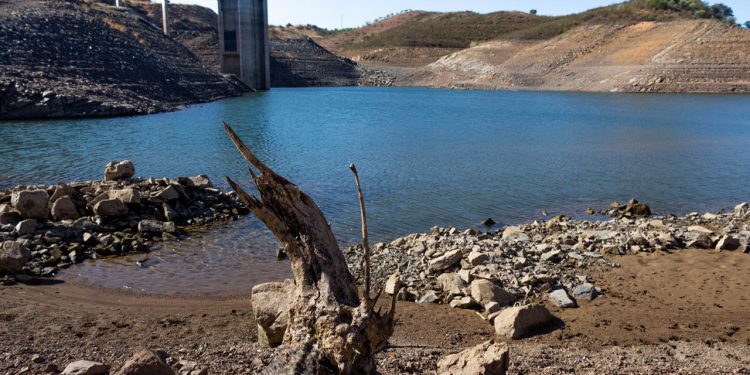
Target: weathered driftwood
[[331, 330]]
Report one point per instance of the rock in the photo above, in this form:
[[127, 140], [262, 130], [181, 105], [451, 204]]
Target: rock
[[518, 322], [201, 181], [64, 209], [13, 256], [637, 209], [515, 234], [700, 229], [85, 368], [488, 222], [61, 191], [488, 358], [169, 193], [561, 299], [392, 284], [26, 227], [728, 243], [741, 209], [145, 362], [477, 259], [445, 261], [463, 303], [709, 216], [428, 297], [551, 256], [485, 291], [117, 171], [111, 208], [127, 196], [271, 308], [10, 218], [451, 283], [31, 204], [155, 226], [492, 307], [585, 292], [701, 241]]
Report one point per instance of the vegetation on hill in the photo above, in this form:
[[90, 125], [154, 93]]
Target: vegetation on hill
[[461, 29]]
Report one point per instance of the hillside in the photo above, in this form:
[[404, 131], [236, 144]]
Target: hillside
[[419, 38], [79, 59], [296, 59], [676, 56]]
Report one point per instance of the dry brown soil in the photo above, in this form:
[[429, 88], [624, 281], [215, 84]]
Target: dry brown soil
[[684, 312]]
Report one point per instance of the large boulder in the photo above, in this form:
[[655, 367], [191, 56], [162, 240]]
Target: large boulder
[[117, 171], [728, 243], [485, 291], [110, 208], [145, 362], [271, 303], [31, 204], [446, 261], [127, 195], [452, 283], [484, 359], [637, 209], [26, 227], [169, 193], [61, 191], [13, 256], [64, 209], [518, 322], [85, 368], [561, 299], [10, 218]]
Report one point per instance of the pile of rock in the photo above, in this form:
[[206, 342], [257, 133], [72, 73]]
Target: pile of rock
[[632, 209], [44, 228], [516, 265], [141, 362]]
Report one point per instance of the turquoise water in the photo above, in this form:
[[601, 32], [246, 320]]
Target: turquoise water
[[426, 157]]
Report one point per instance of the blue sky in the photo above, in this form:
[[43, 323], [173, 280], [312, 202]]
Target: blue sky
[[329, 13]]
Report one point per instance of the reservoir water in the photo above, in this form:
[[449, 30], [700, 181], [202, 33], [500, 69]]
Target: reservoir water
[[426, 157]]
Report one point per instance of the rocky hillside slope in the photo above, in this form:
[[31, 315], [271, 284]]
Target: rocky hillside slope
[[296, 59], [78, 59], [675, 56]]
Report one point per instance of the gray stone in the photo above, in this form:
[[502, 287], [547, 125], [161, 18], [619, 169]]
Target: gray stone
[[445, 261], [61, 191], [701, 241], [551, 256], [32, 204], [428, 297], [64, 209], [518, 322], [561, 299], [13, 256], [728, 243], [741, 209], [700, 229], [477, 259], [271, 303], [10, 218], [169, 193], [452, 283], [488, 358], [85, 368], [201, 181], [392, 284], [155, 226], [485, 291], [117, 171], [26, 227], [111, 208], [145, 362], [464, 303], [585, 292], [127, 195], [515, 234]]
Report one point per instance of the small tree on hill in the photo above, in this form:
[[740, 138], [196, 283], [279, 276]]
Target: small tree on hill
[[747, 24], [532, 12]]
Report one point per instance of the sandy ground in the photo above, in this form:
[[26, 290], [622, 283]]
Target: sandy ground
[[685, 312]]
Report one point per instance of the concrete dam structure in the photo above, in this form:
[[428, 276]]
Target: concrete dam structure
[[243, 41]]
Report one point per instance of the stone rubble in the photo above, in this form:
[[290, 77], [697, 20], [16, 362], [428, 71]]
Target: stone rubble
[[540, 261], [103, 218]]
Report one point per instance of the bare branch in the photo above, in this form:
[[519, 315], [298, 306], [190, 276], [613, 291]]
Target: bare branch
[[365, 243]]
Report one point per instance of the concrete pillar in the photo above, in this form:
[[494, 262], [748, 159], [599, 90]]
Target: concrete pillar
[[165, 16], [243, 39]]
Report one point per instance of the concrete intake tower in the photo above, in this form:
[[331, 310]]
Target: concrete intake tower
[[243, 41]]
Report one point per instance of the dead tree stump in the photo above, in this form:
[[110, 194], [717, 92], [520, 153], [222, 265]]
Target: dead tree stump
[[331, 329]]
